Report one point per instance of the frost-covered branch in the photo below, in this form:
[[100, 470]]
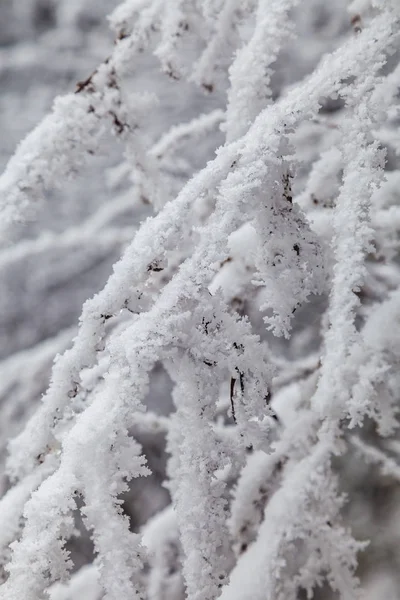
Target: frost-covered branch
[[292, 223]]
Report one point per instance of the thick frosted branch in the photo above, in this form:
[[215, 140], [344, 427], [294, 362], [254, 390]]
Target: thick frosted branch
[[250, 72]]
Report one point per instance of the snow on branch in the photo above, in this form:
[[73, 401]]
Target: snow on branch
[[251, 71], [60, 145], [169, 301]]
